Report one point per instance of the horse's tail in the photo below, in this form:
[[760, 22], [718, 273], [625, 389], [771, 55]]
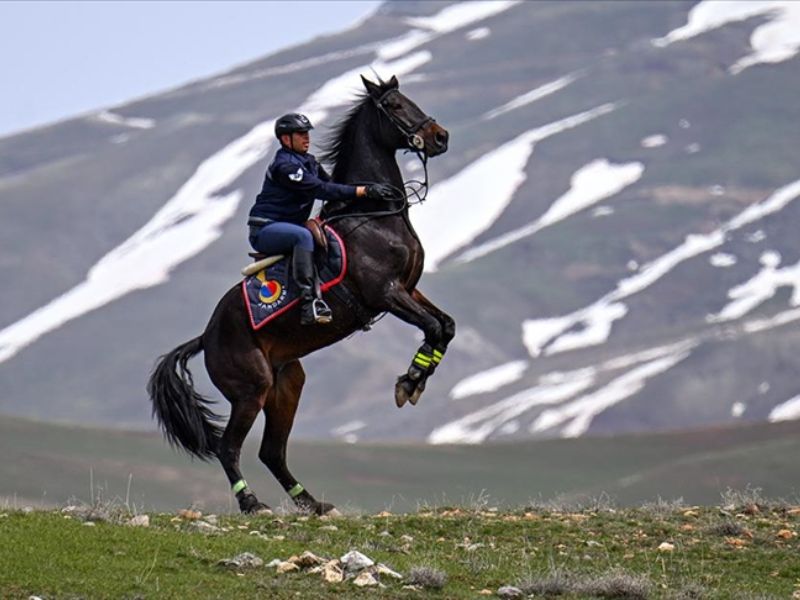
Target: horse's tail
[[184, 415]]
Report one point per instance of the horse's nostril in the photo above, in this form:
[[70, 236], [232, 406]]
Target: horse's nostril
[[441, 138]]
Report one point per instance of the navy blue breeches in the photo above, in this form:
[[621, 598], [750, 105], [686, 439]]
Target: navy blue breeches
[[281, 238]]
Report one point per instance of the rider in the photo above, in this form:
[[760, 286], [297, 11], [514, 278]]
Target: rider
[[293, 181]]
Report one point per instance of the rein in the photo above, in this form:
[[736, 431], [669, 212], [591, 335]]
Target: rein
[[413, 185]]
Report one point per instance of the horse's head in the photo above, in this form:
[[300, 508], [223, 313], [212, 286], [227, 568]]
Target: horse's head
[[410, 127]]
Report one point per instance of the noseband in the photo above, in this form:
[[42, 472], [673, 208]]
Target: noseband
[[410, 129]]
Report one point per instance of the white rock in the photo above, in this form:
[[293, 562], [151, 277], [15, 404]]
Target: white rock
[[355, 561], [287, 567], [365, 579], [245, 559], [204, 527], [140, 521], [332, 573], [274, 563], [382, 569], [666, 547], [509, 591]]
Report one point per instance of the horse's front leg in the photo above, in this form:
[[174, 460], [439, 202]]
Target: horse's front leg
[[404, 306], [437, 354]]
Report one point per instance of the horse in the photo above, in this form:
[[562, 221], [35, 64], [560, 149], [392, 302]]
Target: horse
[[260, 370]]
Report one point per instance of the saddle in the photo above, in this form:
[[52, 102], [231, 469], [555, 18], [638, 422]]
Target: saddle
[[262, 261]]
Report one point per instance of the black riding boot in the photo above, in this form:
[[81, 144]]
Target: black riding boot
[[312, 309]]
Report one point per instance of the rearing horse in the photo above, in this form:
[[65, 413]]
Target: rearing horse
[[260, 370]]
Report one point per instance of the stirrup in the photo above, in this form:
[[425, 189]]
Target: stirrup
[[322, 312]]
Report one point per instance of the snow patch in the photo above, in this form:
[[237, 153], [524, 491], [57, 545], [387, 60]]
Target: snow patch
[[590, 184], [692, 148], [577, 415], [760, 288], [474, 428], [654, 141], [737, 410], [489, 380], [461, 14], [349, 427], [495, 177], [603, 211], [478, 34], [115, 119], [446, 20], [537, 333], [772, 42], [532, 96], [756, 236], [722, 259], [786, 411]]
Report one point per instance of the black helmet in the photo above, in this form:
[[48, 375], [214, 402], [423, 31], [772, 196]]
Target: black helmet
[[291, 123]]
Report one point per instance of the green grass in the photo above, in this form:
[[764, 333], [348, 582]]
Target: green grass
[[737, 552]]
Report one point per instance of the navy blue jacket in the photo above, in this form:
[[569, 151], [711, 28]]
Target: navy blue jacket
[[292, 183]]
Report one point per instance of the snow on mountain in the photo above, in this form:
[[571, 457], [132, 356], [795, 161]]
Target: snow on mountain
[[489, 380], [532, 96], [760, 288], [496, 176], [597, 319], [589, 185], [775, 41]]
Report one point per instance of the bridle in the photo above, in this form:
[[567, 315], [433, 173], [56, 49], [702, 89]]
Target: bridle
[[407, 128], [416, 144]]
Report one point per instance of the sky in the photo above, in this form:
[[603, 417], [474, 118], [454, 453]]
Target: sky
[[61, 59]]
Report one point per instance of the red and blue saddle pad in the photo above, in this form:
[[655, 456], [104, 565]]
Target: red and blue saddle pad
[[272, 291]]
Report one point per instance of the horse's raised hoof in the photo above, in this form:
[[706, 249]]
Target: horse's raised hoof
[[403, 390], [417, 393]]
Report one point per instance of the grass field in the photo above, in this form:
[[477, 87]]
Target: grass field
[[744, 549], [46, 465]]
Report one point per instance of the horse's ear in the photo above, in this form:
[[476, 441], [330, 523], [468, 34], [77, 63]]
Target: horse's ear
[[393, 83], [372, 89]]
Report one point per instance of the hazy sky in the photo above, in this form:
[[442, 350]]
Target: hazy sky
[[62, 58]]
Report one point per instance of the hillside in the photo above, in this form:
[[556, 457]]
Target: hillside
[[51, 465], [611, 227]]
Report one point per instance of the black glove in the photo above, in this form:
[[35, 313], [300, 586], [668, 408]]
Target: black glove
[[381, 191]]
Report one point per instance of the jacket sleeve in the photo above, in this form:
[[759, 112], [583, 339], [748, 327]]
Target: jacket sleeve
[[294, 177]]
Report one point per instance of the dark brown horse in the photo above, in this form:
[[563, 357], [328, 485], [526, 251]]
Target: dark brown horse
[[260, 370]]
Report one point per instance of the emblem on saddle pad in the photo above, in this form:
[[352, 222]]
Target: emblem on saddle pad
[[271, 290]]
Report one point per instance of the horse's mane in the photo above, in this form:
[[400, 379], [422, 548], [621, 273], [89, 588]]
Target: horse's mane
[[337, 146]]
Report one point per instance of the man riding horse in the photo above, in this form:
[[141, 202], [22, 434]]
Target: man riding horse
[[293, 181], [260, 370]]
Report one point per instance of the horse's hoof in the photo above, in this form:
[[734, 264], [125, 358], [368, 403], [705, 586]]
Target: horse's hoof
[[256, 508], [249, 504], [326, 509], [403, 390], [417, 393]]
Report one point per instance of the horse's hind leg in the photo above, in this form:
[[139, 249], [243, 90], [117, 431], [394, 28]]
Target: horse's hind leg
[[279, 414], [245, 379]]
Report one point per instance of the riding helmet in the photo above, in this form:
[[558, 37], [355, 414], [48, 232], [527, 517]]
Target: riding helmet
[[291, 123]]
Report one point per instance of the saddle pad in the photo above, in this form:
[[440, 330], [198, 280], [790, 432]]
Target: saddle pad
[[272, 291]]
